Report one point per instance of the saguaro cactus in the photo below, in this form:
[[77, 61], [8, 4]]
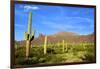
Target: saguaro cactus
[[63, 45], [66, 46], [45, 44], [29, 36]]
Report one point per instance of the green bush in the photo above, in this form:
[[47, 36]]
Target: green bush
[[20, 52], [73, 53]]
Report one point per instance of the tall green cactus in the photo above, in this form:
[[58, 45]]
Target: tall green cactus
[[45, 44], [63, 44], [66, 46], [28, 36]]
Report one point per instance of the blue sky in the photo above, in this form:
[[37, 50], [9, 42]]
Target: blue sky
[[52, 19]]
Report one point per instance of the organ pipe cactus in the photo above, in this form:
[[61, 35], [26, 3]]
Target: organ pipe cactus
[[29, 36], [45, 44]]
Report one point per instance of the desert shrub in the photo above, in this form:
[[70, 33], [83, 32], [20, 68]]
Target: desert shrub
[[20, 52], [36, 51], [50, 50], [23, 61], [42, 60], [20, 61], [73, 53], [57, 58], [89, 56], [81, 55], [78, 48]]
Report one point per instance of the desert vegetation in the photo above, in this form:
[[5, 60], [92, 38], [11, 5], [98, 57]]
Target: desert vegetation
[[56, 53]]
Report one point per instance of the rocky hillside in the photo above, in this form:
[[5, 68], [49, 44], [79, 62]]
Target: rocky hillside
[[58, 37]]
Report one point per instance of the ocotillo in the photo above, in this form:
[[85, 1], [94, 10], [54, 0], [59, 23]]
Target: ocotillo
[[28, 36]]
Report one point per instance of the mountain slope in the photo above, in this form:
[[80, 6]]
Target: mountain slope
[[69, 37]]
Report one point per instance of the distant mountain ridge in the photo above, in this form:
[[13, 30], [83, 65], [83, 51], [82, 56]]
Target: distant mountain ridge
[[69, 37]]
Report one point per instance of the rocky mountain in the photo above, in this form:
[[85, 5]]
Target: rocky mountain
[[69, 37]]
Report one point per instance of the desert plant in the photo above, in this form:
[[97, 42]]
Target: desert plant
[[28, 36], [63, 44], [45, 44]]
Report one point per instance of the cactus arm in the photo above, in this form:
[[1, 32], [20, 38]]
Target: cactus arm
[[33, 33], [25, 36], [32, 36]]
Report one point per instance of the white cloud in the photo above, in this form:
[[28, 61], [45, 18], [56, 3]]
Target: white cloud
[[27, 7]]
